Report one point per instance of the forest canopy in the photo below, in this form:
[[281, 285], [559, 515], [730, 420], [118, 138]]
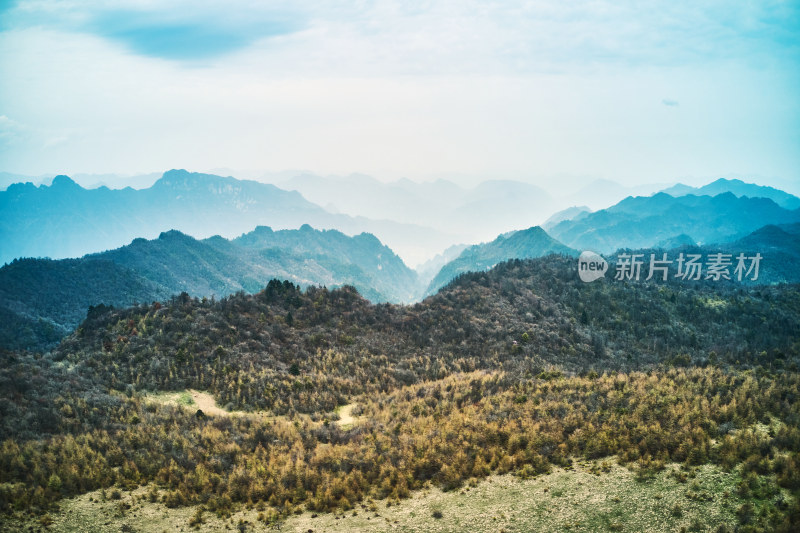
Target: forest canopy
[[513, 370]]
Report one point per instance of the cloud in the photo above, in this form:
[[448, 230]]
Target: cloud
[[176, 30], [180, 36], [412, 87], [468, 36]]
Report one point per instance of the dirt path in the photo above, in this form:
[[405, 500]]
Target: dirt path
[[206, 403], [346, 417]]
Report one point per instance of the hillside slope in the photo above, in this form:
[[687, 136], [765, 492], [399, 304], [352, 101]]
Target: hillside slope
[[739, 188], [64, 220], [44, 299], [521, 316], [517, 370], [642, 222], [524, 244]]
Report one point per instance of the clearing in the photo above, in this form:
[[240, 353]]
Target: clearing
[[195, 400], [346, 418]]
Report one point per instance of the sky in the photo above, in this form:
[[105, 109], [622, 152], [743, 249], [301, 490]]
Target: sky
[[632, 91]]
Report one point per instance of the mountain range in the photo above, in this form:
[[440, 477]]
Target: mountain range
[[89, 181], [570, 213], [525, 244], [780, 247], [215, 378], [60, 218], [739, 188], [724, 222], [43, 299], [777, 246], [65, 220], [492, 207], [643, 221]]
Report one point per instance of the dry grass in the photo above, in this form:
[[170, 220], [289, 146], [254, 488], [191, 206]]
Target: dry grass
[[194, 400], [346, 418], [576, 500]]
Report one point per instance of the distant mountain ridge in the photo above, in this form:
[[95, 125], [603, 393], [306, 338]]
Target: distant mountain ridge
[[89, 181], [40, 300], [739, 188], [604, 190], [65, 220], [428, 270], [43, 299], [777, 246], [570, 213], [644, 221], [524, 244], [780, 248]]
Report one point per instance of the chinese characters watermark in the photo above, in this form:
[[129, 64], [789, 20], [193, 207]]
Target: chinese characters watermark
[[713, 266]]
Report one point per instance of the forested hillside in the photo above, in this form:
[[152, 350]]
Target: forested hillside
[[522, 317], [43, 300], [510, 370], [523, 244], [65, 220], [642, 222]]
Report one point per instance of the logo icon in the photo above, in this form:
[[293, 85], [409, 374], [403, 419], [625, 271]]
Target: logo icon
[[591, 266]]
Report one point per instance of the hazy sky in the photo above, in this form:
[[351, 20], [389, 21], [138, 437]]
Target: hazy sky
[[636, 91]]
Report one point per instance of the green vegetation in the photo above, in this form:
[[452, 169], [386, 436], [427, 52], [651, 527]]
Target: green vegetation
[[590, 496], [223, 463], [42, 300], [449, 392], [525, 244], [564, 500], [643, 221], [185, 398]]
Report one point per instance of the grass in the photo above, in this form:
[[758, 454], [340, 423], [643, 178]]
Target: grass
[[192, 399], [583, 499], [184, 398], [346, 418], [576, 500]]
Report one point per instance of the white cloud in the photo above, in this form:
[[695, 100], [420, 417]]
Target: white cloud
[[496, 89], [471, 36]]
